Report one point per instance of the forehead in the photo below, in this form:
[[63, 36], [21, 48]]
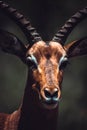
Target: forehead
[[52, 49]]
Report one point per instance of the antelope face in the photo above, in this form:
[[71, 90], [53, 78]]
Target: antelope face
[[47, 63]]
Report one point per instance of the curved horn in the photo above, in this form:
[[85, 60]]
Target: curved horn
[[63, 33], [24, 24]]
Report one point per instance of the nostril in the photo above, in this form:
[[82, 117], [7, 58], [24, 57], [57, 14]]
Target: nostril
[[55, 94], [47, 93]]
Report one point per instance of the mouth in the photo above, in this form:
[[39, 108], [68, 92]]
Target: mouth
[[49, 104]]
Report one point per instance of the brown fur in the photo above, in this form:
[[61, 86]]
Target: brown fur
[[9, 121]]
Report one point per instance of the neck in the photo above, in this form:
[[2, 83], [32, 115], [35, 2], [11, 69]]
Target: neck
[[34, 117]]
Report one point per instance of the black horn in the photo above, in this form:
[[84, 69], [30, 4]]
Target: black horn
[[62, 35], [30, 32]]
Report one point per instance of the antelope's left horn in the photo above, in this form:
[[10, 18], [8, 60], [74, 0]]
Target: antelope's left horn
[[63, 33]]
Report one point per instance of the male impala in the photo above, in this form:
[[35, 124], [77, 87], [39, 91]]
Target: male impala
[[46, 62]]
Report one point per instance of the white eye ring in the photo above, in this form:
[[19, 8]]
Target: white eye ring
[[29, 58], [63, 58], [32, 58]]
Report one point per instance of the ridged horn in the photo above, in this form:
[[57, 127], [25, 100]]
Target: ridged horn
[[62, 35], [30, 32]]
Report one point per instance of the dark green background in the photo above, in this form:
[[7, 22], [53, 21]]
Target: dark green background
[[47, 16]]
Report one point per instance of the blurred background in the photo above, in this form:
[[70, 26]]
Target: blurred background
[[47, 16]]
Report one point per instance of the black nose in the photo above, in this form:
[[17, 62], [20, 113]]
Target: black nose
[[51, 95]]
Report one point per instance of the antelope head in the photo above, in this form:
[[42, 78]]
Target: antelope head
[[45, 60]]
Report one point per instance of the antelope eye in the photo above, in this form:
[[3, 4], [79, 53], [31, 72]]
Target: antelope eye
[[63, 63], [31, 61]]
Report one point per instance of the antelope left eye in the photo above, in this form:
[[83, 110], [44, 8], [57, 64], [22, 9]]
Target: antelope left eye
[[63, 63]]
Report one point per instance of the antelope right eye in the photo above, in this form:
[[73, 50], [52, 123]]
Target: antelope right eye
[[31, 61], [63, 65]]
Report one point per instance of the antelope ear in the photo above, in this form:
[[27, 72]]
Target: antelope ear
[[11, 44], [77, 48]]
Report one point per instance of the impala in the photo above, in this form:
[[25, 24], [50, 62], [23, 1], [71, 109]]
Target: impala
[[46, 62]]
